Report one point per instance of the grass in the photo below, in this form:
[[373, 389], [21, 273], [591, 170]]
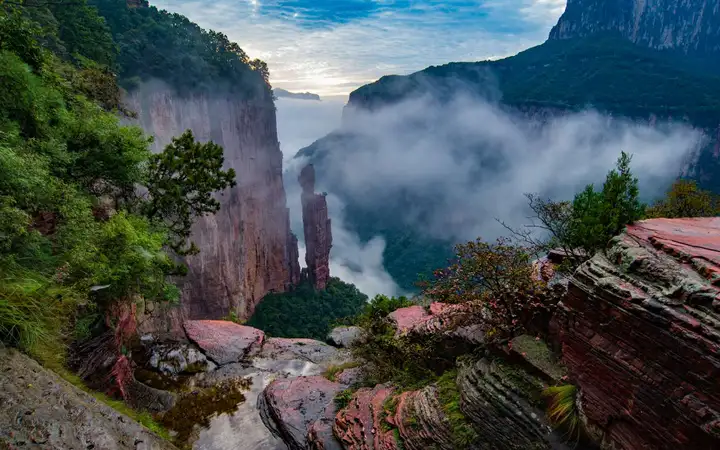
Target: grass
[[342, 399], [562, 408], [449, 396], [332, 372]]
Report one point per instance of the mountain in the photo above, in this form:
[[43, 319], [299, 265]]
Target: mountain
[[691, 27], [282, 93], [568, 73]]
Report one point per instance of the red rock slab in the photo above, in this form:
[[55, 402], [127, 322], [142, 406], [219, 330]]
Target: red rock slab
[[407, 318], [222, 341], [294, 405], [360, 425]]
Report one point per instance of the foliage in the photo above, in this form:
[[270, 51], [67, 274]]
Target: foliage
[[464, 436], [332, 372], [305, 312], [181, 183], [686, 199], [497, 281], [342, 399], [156, 44], [562, 408], [584, 226]]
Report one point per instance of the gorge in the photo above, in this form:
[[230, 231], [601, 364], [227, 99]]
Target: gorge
[[617, 351]]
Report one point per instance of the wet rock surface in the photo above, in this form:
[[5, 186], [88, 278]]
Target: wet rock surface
[[642, 336], [41, 410], [224, 342]]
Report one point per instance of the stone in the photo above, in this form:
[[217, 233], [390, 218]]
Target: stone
[[246, 248], [224, 342], [408, 317], [41, 410], [320, 353], [176, 358], [421, 421], [290, 408], [496, 398], [316, 226], [535, 352], [345, 337], [640, 336]]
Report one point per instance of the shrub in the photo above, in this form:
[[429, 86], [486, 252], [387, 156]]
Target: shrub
[[685, 199], [562, 408]]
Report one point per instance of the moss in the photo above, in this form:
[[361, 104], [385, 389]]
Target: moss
[[520, 381], [342, 399], [449, 397], [398, 439], [536, 352], [199, 406], [333, 371]]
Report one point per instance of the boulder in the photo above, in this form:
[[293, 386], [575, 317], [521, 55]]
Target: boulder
[[290, 408], [345, 337], [176, 358], [641, 336], [41, 410], [320, 353], [222, 341], [406, 318]]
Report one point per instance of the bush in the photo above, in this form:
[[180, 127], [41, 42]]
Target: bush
[[562, 408], [685, 199]]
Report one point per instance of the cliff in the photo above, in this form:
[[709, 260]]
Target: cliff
[[641, 337], [688, 26], [247, 249], [316, 225]]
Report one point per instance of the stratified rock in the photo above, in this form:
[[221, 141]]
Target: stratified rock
[[222, 341], [246, 249], [642, 336], [408, 317], [495, 399], [421, 421], [345, 336], [537, 355], [290, 407], [175, 358], [318, 233], [145, 398], [452, 321], [41, 410], [361, 425]]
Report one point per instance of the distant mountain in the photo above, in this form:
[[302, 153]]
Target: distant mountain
[[690, 26], [282, 93], [625, 58]]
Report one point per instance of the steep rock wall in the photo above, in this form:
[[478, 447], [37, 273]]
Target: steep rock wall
[[692, 26], [316, 225], [247, 248], [642, 335]]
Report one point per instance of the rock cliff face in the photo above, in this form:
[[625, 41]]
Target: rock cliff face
[[247, 248], [691, 26], [642, 334], [316, 224]]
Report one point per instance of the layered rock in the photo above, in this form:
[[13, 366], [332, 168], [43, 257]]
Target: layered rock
[[316, 225], [688, 26], [642, 333], [421, 422], [361, 425], [247, 249], [41, 410]]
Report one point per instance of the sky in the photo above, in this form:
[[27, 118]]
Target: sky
[[331, 47]]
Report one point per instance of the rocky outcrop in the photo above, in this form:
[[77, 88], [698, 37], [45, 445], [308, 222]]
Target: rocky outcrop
[[452, 321], [291, 407], [361, 425], [316, 224], [41, 410], [421, 422], [224, 342], [641, 336], [247, 248], [688, 26], [345, 336]]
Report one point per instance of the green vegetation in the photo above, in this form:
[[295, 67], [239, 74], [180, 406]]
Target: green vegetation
[[306, 312], [332, 372], [342, 399], [464, 435], [562, 408], [686, 199]]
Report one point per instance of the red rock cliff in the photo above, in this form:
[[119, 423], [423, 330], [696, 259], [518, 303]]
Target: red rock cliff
[[247, 248], [641, 337], [316, 225]]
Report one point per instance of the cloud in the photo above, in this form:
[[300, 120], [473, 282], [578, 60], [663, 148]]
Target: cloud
[[301, 122], [469, 162], [332, 46]]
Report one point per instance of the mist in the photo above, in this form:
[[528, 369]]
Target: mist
[[466, 164]]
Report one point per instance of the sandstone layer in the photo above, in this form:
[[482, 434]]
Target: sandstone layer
[[247, 249], [641, 336], [316, 225]]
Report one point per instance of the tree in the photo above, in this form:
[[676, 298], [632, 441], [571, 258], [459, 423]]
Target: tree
[[181, 183], [685, 199]]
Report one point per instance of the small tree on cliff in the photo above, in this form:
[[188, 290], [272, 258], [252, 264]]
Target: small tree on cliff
[[496, 279], [685, 199], [181, 183]]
